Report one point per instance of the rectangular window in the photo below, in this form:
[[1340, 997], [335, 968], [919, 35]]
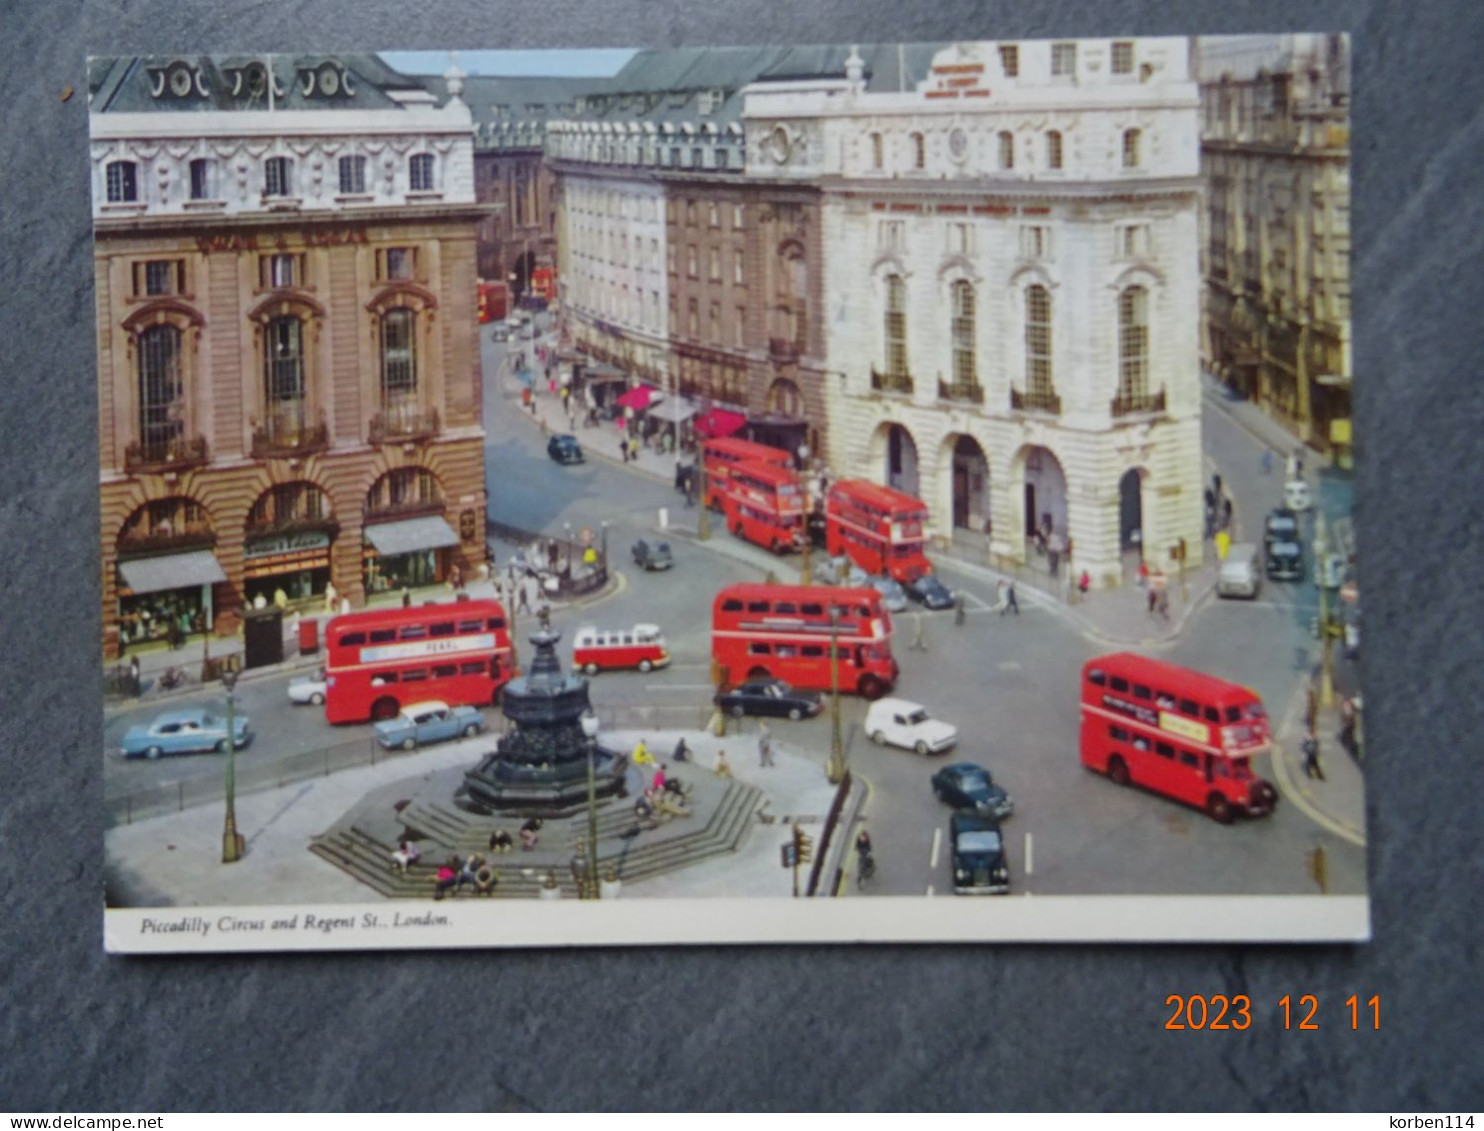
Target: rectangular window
[[397, 263], [420, 172], [382, 635], [201, 179], [690, 260], [694, 322], [1035, 241], [1123, 57], [278, 177], [122, 185], [413, 632], [444, 671], [739, 328], [713, 214], [1118, 683], [1164, 749], [279, 271], [737, 224], [416, 675], [1117, 734], [1141, 691], [470, 626], [891, 234], [1010, 60], [1133, 240], [163, 277], [443, 628], [739, 270], [472, 667], [714, 323], [352, 175], [670, 257], [1064, 59], [961, 238], [1189, 759]]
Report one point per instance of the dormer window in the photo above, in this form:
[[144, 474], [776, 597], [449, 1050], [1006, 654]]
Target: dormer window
[[123, 184]]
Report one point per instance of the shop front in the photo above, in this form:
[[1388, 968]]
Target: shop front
[[167, 597], [295, 563], [407, 553]]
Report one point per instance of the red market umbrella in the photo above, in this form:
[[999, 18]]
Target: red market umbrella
[[637, 398], [718, 422]]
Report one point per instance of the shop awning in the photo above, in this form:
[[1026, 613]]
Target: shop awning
[[172, 571], [411, 535], [718, 422], [637, 398], [673, 410]]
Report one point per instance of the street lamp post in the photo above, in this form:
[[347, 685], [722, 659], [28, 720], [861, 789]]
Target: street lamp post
[[604, 526], [835, 768], [806, 574], [703, 523], [567, 526], [590, 732], [231, 840], [1326, 671]]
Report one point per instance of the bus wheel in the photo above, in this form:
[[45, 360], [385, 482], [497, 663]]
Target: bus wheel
[[384, 708], [591, 668], [645, 665], [737, 529], [1219, 808], [1118, 771], [871, 687]]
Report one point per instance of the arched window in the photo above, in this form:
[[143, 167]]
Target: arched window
[[123, 184], [161, 390], [283, 376], [878, 154], [919, 152], [420, 172], [398, 362], [1038, 342], [1131, 146], [1133, 344], [1007, 150], [1053, 150], [964, 373], [896, 327]]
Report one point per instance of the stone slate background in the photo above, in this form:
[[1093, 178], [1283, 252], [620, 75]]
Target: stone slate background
[[783, 1027]]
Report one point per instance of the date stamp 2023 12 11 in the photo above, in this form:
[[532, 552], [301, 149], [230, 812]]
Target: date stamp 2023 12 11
[[1222, 1011]]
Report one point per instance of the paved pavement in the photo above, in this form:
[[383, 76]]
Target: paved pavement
[[175, 860]]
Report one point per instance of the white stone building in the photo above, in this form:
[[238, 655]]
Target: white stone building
[[1012, 287]]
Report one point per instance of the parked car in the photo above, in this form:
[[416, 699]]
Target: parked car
[[898, 722], [770, 697], [893, 598], [308, 689], [1281, 525], [1285, 561], [965, 785], [978, 856], [1240, 574], [652, 555], [1296, 495], [185, 732], [927, 590], [432, 721], [841, 571], [564, 448]]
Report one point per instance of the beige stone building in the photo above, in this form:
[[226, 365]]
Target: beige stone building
[[289, 381], [1275, 155]]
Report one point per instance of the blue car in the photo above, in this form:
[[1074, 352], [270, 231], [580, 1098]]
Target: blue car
[[421, 723], [188, 731], [965, 785]]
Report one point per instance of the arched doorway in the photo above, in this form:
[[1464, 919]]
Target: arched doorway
[[1045, 493], [287, 543], [970, 485], [166, 572], [408, 542], [1131, 511], [901, 460]]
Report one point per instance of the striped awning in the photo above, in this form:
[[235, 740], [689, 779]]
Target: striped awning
[[172, 571], [410, 535]]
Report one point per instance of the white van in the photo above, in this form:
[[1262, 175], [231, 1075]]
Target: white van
[[1240, 574], [900, 723]]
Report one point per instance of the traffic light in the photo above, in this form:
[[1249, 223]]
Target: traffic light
[[803, 846]]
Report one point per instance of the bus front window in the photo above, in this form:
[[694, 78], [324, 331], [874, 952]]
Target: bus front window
[[1241, 769]]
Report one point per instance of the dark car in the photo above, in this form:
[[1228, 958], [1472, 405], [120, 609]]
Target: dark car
[[564, 448], [770, 697], [965, 785], [652, 555], [978, 859], [1281, 525], [1285, 561], [929, 591]]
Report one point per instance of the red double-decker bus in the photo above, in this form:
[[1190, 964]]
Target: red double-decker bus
[[784, 631], [764, 504], [880, 529], [1178, 732], [494, 301], [723, 454], [382, 659]]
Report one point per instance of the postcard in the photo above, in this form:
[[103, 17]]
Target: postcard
[[871, 492]]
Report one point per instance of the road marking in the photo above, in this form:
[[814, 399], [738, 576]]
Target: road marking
[[1029, 865], [1008, 665], [937, 844]]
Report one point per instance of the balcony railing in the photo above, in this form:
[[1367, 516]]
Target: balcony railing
[[408, 508], [399, 424], [166, 455], [891, 383], [1035, 401], [1127, 404], [952, 391], [290, 432]]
